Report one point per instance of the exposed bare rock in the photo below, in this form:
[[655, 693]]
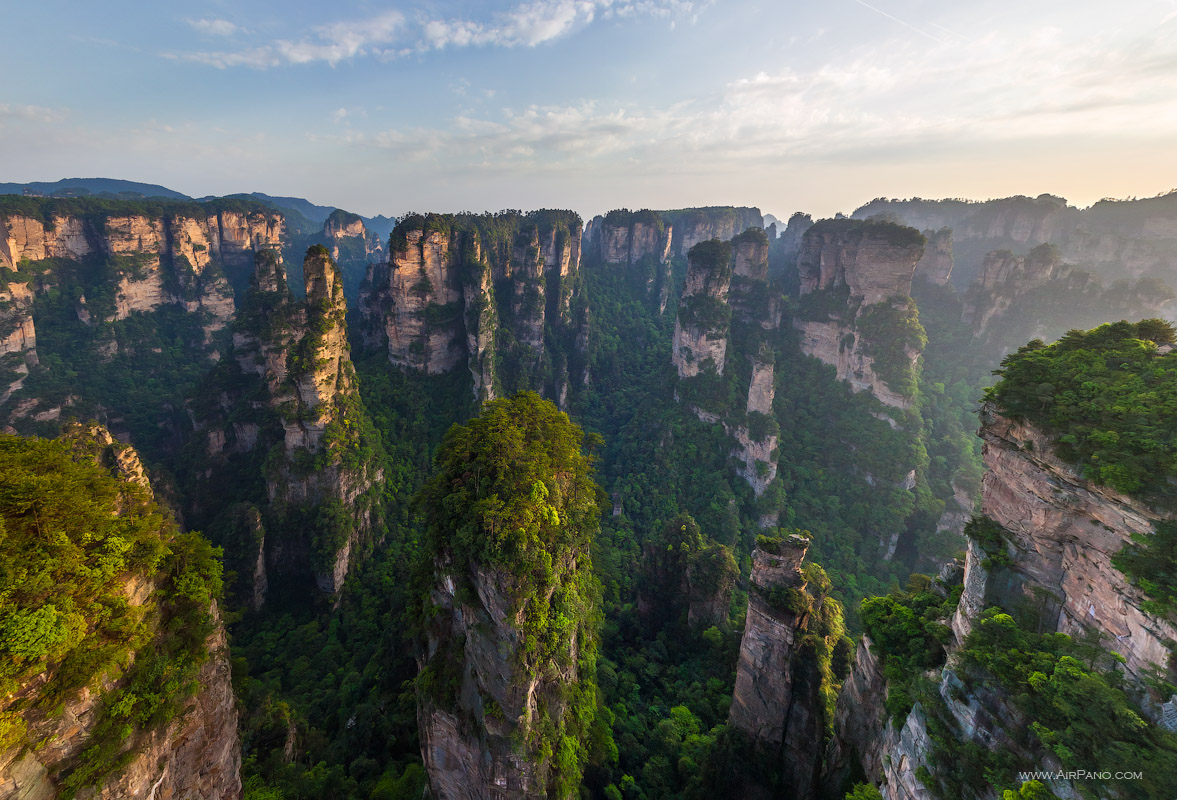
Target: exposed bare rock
[[832, 343], [855, 279], [793, 235], [26, 238], [421, 277], [18, 335], [455, 282], [322, 416], [1062, 534], [777, 697], [476, 636], [873, 260], [690, 226], [701, 329], [937, 262], [196, 754]]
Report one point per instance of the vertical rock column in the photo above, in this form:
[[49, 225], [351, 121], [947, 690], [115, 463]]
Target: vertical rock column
[[777, 697], [704, 318]]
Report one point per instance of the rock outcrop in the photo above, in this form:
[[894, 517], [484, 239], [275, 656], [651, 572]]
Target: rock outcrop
[[856, 311], [704, 317], [506, 686], [684, 571], [18, 334], [1114, 239], [1051, 565], [936, 264], [294, 393], [1039, 296], [1061, 532], [726, 315], [196, 753], [456, 284], [777, 697], [180, 255], [690, 226]]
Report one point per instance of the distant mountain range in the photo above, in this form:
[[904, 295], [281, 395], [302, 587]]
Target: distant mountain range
[[381, 226]]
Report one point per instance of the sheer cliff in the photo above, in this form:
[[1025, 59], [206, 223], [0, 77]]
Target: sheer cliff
[[506, 690], [1056, 648], [116, 287], [498, 294], [856, 313], [1113, 239], [286, 400], [791, 629], [90, 622]]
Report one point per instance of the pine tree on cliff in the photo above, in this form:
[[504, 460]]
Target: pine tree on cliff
[[507, 689]]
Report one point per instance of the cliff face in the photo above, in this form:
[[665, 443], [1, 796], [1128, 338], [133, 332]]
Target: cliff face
[[1062, 534], [477, 639], [694, 225], [726, 315], [1003, 278], [321, 508], [506, 687], [1051, 565], [701, 329], [857, 315], [18, 334], [1039, 296], [1113, 238], [777, 697], [937, 262], [454, 282], [196, 753], [173, 258]]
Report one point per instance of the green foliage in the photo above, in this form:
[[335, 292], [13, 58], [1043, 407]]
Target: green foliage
[[706, 313], [891, 233], [1030, 790], [991, 538], [1107, 397], [680, 568], [513, 492], [864, 791], [1150, 561], [71, 539], [889, 331], [1073, 703], [909, 634]]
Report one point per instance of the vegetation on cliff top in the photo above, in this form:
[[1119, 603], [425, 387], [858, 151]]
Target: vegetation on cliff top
[[890, 232], [1107, 397], [1073, 707], [513, 493], [73, 541]]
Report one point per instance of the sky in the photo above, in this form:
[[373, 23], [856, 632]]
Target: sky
[[383, 107]]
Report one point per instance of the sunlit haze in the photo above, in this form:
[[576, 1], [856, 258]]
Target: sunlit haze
[[596, 104]]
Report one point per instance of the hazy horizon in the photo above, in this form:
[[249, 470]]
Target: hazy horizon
[[596, 104]]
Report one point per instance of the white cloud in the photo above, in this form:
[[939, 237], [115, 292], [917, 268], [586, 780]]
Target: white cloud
[[333, 43], [896, 100], [34, 114], [528, 24], [214, 27]]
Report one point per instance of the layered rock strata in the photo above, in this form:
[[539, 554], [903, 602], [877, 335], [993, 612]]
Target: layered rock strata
[[322, 473], [454, 282], [777, 696], [1053, 567], [1061, 532], [853, 274]]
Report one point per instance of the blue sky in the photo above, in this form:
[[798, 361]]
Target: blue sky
[[595, 104]]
